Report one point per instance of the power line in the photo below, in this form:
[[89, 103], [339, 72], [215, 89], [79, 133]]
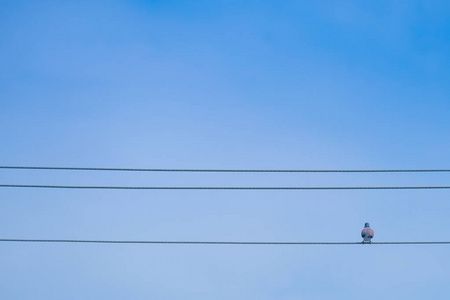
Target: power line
[[216, 243], [221, 188], [223, 170]]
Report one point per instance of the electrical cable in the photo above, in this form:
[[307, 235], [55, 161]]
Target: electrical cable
[[216, 243], [221, 188], [222, 170]]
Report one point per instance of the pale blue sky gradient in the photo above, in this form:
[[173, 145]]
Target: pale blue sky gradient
[[224, 84]]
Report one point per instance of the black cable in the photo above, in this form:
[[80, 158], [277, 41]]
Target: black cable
[[222, 188], [223, 170], [217, 243]]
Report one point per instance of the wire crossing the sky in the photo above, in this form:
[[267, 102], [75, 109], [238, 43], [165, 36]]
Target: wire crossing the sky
[[218, 242], [221, 187], [224, 170]]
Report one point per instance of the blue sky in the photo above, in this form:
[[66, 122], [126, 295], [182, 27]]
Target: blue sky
[[224, 84]]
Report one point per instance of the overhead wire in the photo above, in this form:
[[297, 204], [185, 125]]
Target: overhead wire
[[225, 170], [220, 187], [217, 242]]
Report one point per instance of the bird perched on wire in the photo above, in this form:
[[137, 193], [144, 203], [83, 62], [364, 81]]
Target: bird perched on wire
[[367, 233]]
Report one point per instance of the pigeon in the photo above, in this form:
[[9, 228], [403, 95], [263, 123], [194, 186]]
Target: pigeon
[[367, 233]]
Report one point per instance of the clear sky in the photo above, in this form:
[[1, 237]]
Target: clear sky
[[224, 84]]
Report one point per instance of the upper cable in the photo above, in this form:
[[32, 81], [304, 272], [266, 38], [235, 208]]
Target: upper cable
[[225, 170]]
